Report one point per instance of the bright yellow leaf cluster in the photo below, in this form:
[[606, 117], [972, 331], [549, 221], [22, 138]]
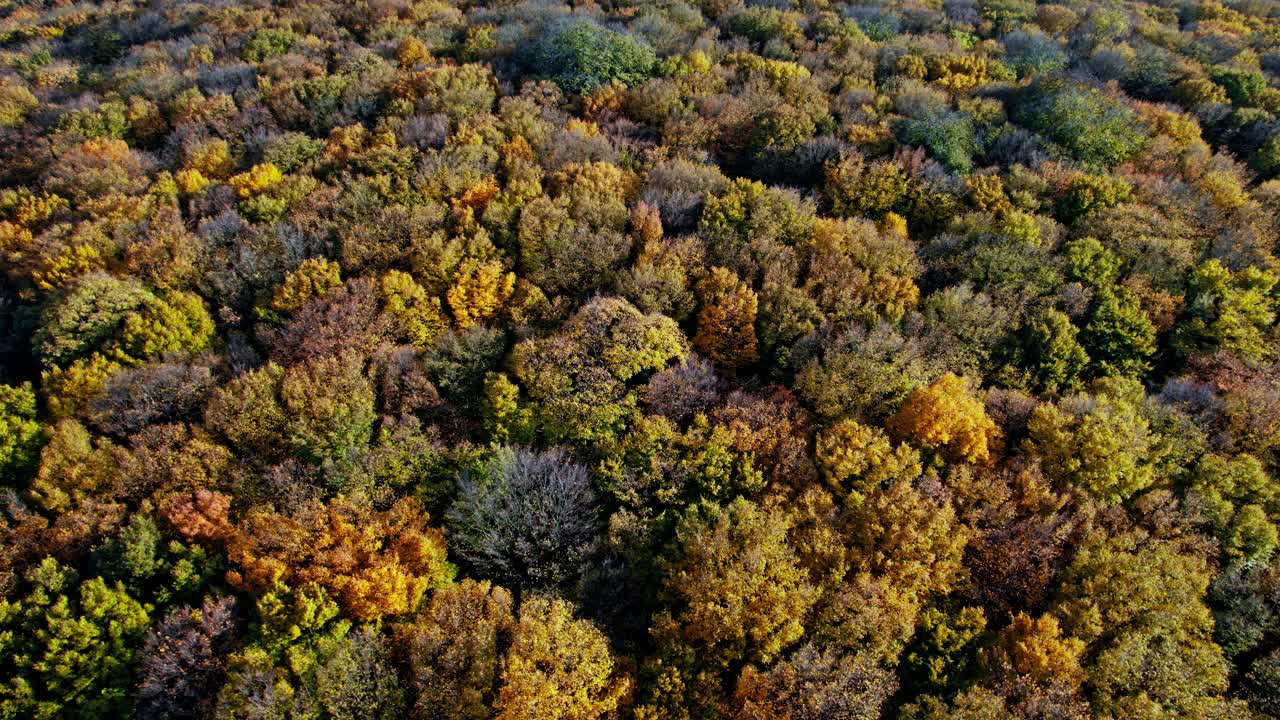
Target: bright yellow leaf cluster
[[945, 415], [257, 180], [479, 292]]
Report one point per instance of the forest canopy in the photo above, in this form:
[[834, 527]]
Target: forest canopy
[[630, 360]]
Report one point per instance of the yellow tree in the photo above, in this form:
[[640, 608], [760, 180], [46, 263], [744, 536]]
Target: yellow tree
[[558, 667], [417, 313], [479, 292], [945, 415], [910, 542], [726, 325], [739, 587], [313, 278], [857, 458], [376, 563], [1036, 648]]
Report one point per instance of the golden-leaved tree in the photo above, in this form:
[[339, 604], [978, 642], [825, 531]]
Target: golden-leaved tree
[[376, 563]]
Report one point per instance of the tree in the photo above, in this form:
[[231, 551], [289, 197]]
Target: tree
[[506, 419], [1091, 263], [307, 662], [1053, 352], [345, 321], [76, 469], [578, 377], [581, 56], [857, 459], [857, 271], [177, 322], [736, 587], [155, 393], [418, 314], [908, 541], [527, 518], [726, 324], [86, 318], [69, 646], [1101, 443], [815, 684], [1094, 128], [376, 563], [1237, 497], [1242, 86], [328, 404], [1086, 195], [557, 667], [154, 568], [950, 136], [853, 188], [1228, 311], [479, 292], [946, 416], [1035, 648], [865, 374], [20, 435], [247, 412], [182, 661], [681, 391], [574, 241], [313, 278], [355, 678], [459, 360], [943, 652], [1119, 336], [455, 650], [1139, 607]]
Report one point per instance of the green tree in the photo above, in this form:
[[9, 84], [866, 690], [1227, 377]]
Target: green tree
[[1053, 354], [68, 647], [1242, 86], [950, 136], [945, 648], [581, 56], [121, 320], [1119, 336], [328, 404], [1139, 606], [1228, 310], [177, 322], [1092, 127], [1102, 443], [20, 434], [1089, 262], [306, 661], [1238, 498], [86, 318]]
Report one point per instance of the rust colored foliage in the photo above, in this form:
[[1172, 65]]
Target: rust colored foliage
[[376, 563]]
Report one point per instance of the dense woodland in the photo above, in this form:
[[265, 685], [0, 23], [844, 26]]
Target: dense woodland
[[675, 360]]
